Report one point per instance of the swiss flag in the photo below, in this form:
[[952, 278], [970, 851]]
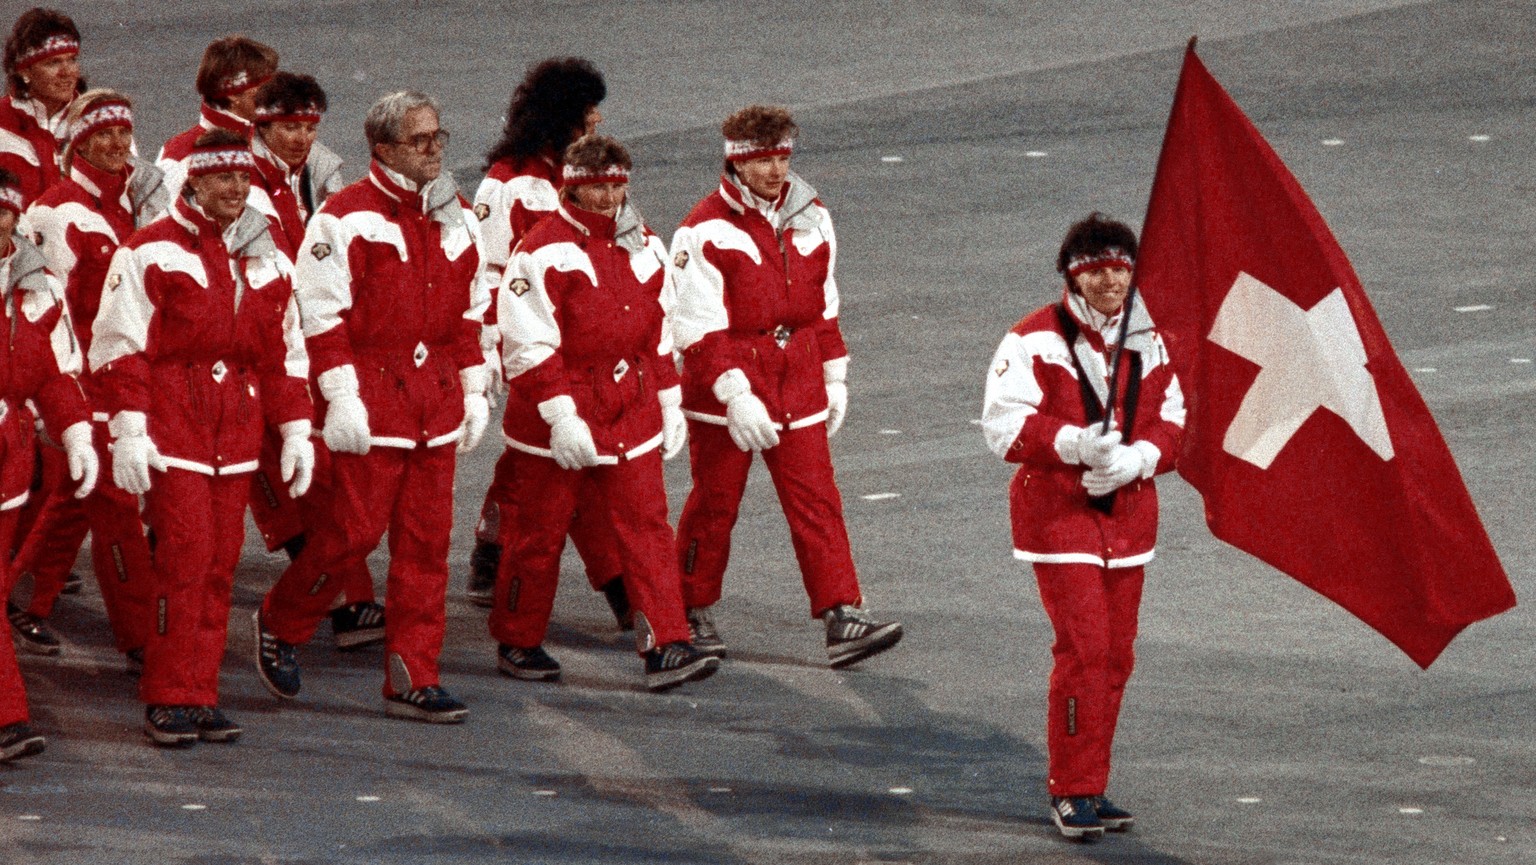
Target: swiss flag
[[1306, 437]]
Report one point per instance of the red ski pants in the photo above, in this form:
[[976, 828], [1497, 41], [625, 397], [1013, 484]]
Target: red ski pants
[[54, 526], [13, 694], [544, 501], [409, 493], [591, 532], [801, 469], [1093, 610], [281, 518], [199, 525], [120, 554]]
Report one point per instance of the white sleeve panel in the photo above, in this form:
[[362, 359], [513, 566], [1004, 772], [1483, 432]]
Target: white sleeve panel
[[15, 145], [535, 193], [295, 355], [806, 242], [493, 210], [654, 247], [1013, 394], [175, 171], [121, 327], [35, 305], [700, 285], [530, 333], [480, 288], [52, 224], [1172, 409], [322, 280]]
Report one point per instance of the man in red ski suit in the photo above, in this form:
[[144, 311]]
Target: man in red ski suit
[[1083, 504], [232, 70], [195, 350], [555, 104], [593, 398], [764, 370], [35, 363], [105, 195], [389, 282]]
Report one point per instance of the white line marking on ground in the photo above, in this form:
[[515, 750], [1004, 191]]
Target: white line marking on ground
[[29, 817], [1410, 810], [1440, 760], [546, 793], [878, 497], [1476, 307], [1332, 142], [1249, 800], [901, 791], [1478, 138], [719, 789], [1036, 154], [368, 798], [1519, 360], [890, 432], [890, 159], [193, 806], [1426, 369]]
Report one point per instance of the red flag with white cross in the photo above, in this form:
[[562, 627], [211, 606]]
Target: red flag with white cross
[[1306, 437]]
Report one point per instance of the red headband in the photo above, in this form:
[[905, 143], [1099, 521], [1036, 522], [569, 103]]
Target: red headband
[[218, 159], [101, 116], [741, 151], [239, 83], [574, 176], [53, 46], [273, 114], [1114, 256]]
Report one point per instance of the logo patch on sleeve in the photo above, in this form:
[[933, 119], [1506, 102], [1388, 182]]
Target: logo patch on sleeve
[[482, 210], [320, 251], [519, 286], [680, 260], [1002, 367], [114, 281]]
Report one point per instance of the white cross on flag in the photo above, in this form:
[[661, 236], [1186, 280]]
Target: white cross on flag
[[1306, 437]]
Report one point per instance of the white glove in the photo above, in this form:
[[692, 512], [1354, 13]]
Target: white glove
[[84, 465], [746, 418], [835, 374], [495, 384], [133, 454], [477, 409], [1125, 464], [296, 462], [570, 439], [346, 418], [674, 427], [1086, 445]]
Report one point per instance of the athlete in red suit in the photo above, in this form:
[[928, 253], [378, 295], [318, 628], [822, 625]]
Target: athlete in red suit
[[1083, 503], [232, 70], [42, 76]]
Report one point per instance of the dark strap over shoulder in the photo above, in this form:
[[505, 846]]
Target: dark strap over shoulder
[[1092, 408]]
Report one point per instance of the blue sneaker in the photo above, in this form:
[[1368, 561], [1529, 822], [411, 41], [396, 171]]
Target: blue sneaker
[[1114, 818], [1076, 818]]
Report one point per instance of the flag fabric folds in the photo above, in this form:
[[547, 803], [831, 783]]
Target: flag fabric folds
[[1306, 437]]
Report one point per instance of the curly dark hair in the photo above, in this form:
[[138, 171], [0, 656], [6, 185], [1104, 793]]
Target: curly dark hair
[[1092, 236], [764, 125], [32, 29], [549, 108], [289, 93]]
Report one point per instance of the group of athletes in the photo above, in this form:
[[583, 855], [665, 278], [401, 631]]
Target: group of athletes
[[231, 327]]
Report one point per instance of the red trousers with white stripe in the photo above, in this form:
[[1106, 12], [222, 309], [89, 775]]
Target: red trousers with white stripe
[[281, 518], [544, 501], [199, 525], [591, 532], [54, 525], [13, 694], [801, 469], [1094, 611], [409, 493]]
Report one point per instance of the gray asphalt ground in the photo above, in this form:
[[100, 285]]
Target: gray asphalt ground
[[954, 142]]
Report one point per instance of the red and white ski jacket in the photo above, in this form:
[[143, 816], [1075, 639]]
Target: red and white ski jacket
[[515, 195], [29, 146], [1035, 398], [198, 329], [173, 155], [391, 284], [36, 364], [758, 296], [78, 224], [584, 313], [281, 192]]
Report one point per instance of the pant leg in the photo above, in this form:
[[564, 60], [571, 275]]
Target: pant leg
[[543, 498], [353, 579], [58, 528], [636, 497], [492, 517], [120, 554], [592, 533], [230, 495], [277, 515], [365, 487], [13, 694], [704, 530], [417, 588], [182, 514], [1087, 605], [801, 468]]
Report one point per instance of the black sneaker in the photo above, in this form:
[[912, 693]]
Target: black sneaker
[[358, 625], [618, 601], [72, 584], [853, 636], [31, 631], [671, 665], [484, 560], [533, 664], [170, 726], [1114, 818], [275, 662], [701, 627], [431, 704], [1075, 817], [212, 725], [18, 740]]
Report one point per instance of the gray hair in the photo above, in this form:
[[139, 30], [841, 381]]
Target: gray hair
[[387, 116]]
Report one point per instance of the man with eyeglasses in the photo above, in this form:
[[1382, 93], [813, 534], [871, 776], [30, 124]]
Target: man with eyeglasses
[[388, 281]]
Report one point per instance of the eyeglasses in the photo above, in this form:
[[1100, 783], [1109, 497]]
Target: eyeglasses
[[423, 143]]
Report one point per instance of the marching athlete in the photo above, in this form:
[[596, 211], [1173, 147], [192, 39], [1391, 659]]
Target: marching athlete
[[1083, 504], [232, 70], [42, 76], [764, 372]]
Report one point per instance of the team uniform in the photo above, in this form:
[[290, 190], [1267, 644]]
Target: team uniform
[[1049, 380], [80, 222], [757, 308], [29, 144], [197, 347], [583, 314], [35, 364], [389, 281], [172, 159], [516, 194]]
